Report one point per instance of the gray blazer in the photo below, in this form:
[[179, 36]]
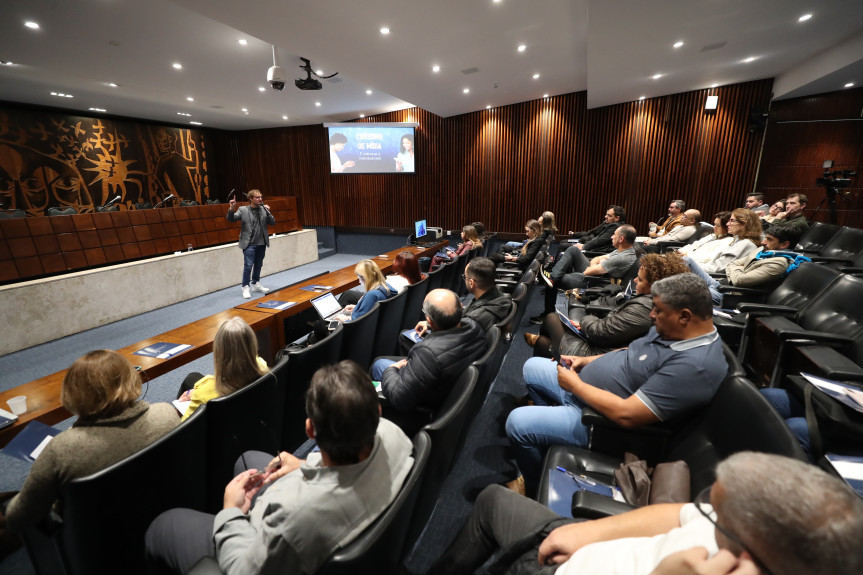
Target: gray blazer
[[246, 216]]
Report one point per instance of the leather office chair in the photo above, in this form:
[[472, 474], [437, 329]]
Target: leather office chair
[[488, 366], [143, 206], [834, 318], [358, 339], [380, 547], [12, 214], [187, 203], [520, 295], [843, 248], [505, 325], [816, 237], [213, 202], [69, 211], [507, 283], [414, 303], [302, 365], [738, 418], [248, 419], [106, 514], [389, 325], [450, 272], [435, 278], [798, 289]]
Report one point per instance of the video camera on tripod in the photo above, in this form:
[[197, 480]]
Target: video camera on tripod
[[832, 183]]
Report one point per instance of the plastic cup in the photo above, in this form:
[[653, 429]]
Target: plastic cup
[[653, 227], [17, 405]]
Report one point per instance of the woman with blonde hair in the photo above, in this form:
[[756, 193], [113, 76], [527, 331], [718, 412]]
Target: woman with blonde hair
[[236, 363], [547, 222], [469, 241], [102, 389], [376, 288]]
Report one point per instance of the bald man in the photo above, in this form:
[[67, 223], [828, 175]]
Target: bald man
[[424, 377], [688, 225]]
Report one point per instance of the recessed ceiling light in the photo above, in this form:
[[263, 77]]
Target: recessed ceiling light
[[177, 66], [749, 59], [369, 92], [804, 18], [642, 98], [98, 110], [6, 63], [466, 90], [62, 95], [261, 89], [32, 25], [246, 113], [113, 85], [849, 85], [196, 123], [545, 95], [190, 99], [385, 31], [522, 48], [362, 115], [244, 109], [318, 104], [536, 76], [656, 76], [319, 72], [435, 68], [285, 117], [678, 44], [713, 85], [242, 41], [488, 107], [184, 114]]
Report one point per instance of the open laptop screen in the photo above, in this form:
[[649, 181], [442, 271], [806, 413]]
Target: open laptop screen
[[326, 305]]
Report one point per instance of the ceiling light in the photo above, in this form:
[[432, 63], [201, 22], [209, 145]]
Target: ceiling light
[[522, 48], [385, 31], [369, 92], [98, 110], [642, 98], [184, 114], [6, 63], [190, 99], [261, 89], [536, 76], [435, 68], [318, 104], [749, 59], [545, 95], [246, 113], [496, 1], [714, 85], [242, 41], [62, 95], [849, 85], [285, 117], [488, 107], [656, 76], [244, 109], [196, 123], [113, 85], [466, 90], [712, 102], [32, 25], [319, 72], [362, 115], [177, 66], [678, 44], [804, 18]]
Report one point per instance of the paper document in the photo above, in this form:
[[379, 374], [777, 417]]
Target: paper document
[[38, 451], [850, 396], [181, 405]]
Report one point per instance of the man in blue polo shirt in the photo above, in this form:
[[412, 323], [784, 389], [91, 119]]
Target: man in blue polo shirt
[[677, 367]]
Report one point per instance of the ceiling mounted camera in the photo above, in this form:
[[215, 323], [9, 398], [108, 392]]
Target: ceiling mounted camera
[[276, 75], [309, 83]]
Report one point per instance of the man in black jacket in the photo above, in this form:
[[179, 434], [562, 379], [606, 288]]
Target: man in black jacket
[[424, 377], [599, 238]]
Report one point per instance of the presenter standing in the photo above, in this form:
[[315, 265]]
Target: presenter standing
[[254, 238]]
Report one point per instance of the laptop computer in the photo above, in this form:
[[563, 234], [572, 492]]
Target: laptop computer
[[328, 307]]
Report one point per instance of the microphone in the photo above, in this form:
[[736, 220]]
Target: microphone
[[231, 194], [170, 197], [109, 204]]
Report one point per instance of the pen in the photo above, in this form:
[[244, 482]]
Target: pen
[[577, 477]]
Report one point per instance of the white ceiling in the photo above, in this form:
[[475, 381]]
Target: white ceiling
[[611, 48]]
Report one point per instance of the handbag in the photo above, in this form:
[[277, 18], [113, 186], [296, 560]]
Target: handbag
[[641, 485], [831, 425]]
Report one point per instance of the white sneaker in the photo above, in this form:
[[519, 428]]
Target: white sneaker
[[246, 293], [258, 287]]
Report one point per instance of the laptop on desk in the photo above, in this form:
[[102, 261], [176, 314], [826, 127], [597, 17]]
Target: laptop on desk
[[328, 307]]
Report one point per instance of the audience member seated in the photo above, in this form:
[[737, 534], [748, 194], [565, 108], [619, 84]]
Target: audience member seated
[[755, 202], [571, 268], [285, 515], [628, 321], [773, 213], [793, 214], [599, 238], [673, 220], [423, 378], [762, 268], [102, 389], [688, 225], [775, 514], [743, 238], [469, 241], [236, 363], [527, 252], [407, 271], [488, 306], [373, 287], [676, 368]]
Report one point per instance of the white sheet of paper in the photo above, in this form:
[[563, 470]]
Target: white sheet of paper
[[38, 451]]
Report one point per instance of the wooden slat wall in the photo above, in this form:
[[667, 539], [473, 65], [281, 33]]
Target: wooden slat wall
[[801, 134], [505, 165]]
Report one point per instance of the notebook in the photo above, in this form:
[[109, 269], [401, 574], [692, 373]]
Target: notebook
[[328, 307]]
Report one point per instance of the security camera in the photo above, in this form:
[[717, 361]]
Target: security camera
[[276, 77]]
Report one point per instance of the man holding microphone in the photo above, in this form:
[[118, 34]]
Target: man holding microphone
[[254, 238]]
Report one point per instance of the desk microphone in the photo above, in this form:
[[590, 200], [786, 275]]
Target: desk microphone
[[230, 195], [109, 204], [170, 197]]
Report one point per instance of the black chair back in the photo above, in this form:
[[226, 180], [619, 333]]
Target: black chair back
[[803, 285], [505, 325], [414, 303], [12, 214], [435, 278], [143, 206], [358, 339], [450, 272], [69, 211], [248, 419], [187, 203], [379, 549], [521, 296], [488, 365], [302, 365], [846, 245], [105, 515], [389, 324], [837, 310], [816, 237]]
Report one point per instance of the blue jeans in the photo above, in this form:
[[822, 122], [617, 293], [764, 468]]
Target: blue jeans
[[253, 260], [712, 284], [514, 245], [379, 367], [554, 419], [793, 412]]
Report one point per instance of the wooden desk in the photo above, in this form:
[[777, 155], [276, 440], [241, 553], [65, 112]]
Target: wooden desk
[[43, 394], [341, 280]]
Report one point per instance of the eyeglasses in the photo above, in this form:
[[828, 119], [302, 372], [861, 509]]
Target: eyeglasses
[[702, 499], [733, 221]]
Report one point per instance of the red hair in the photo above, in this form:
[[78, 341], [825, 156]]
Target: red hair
[[407, 265]]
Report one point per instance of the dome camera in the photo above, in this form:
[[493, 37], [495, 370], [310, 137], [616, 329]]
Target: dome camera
[[276, 77]]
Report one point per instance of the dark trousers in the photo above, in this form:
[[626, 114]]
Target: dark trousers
[[253, 260], [501, 520]]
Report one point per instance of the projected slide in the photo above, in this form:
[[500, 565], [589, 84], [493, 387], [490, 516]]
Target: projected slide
[[371, 148]]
